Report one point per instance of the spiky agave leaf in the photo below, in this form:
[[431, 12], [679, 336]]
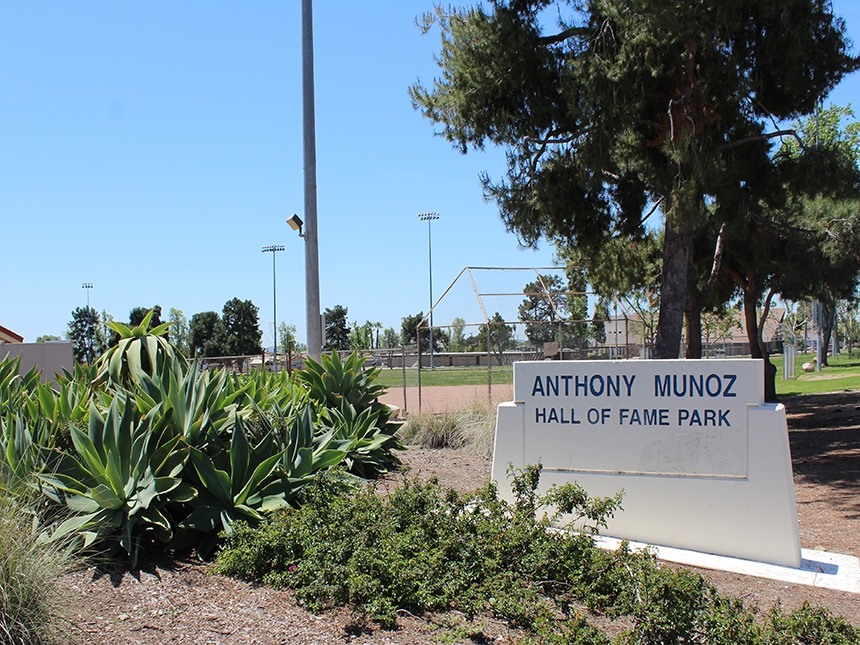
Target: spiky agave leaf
[[119, 477], [140, 351]]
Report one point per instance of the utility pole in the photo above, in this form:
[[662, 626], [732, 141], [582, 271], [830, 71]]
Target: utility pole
[[273, 249], [312, 269]]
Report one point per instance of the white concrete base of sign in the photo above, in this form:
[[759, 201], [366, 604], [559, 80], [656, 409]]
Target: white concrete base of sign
[[817, 568], [726, 490]]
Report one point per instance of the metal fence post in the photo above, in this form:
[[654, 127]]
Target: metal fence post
[[403, 364]]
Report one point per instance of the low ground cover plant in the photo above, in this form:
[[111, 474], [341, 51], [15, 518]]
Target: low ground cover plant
[[429, 549]]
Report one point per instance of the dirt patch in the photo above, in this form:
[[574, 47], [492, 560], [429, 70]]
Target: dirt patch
[[170, 602], [826, 377], [445, 398]]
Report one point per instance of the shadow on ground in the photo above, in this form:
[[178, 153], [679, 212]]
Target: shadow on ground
[[824, 432]]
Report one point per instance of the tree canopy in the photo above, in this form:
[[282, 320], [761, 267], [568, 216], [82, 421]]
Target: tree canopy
[[136, 316], [205, 334], [495, 337], [178, 331], [555, 310], [544, 306], [86, 344], [336, 328], [361, 336], [628, 107], [287, 341], [242, 333], [410, 336], [390, 338], [798, 234]]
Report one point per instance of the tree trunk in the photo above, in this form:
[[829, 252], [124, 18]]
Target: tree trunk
[[828, 318], [757, 347], [693, 313], [693, 318], [677, 251]]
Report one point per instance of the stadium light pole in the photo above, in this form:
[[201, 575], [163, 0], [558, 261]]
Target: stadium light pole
[[88, 286], [312, 267], [429, 217], [273, 249]]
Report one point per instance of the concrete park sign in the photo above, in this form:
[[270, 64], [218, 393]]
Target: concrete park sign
[[703, 461]]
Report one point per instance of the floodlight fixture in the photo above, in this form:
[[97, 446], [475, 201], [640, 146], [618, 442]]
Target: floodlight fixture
[[296, 223], [87, 286]]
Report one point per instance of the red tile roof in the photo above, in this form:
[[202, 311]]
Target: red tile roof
[[10, 336]]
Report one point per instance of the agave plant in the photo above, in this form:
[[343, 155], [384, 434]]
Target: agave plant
[[199, 402], [119, 478], [305, 452], [352, 411], [367, 436], [14, 386], [235, 481], [333, 382], [25, 448], [140, 351], [25, 429], [273, 392], [62, 403]]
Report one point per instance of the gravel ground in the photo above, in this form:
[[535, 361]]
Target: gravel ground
[[179, 602]]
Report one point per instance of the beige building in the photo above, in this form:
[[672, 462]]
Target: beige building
[[624, 336]]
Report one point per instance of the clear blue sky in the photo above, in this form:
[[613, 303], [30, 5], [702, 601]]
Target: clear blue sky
[[153, 149]]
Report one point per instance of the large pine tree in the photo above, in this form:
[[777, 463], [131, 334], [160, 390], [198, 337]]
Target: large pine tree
[[627, 107]]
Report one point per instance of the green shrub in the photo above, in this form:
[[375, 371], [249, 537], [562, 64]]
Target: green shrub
[[423, 548], [426, 548], [30, 603], [810, 626]]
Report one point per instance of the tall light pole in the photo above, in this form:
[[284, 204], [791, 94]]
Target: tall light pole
[[88, 286], [312, 266], [273, 249], [429, 217]]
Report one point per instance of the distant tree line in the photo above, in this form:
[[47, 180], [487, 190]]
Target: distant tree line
[[235, 332]]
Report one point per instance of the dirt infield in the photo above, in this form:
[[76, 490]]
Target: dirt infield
[[445, 398]]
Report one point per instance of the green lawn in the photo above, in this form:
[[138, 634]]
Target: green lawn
[[842, 373]]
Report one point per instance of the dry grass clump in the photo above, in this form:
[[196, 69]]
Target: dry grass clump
[[30, 569], [471, 428]]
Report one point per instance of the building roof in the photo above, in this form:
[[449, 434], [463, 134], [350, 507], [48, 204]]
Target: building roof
[[9, 336], [775, 316]]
